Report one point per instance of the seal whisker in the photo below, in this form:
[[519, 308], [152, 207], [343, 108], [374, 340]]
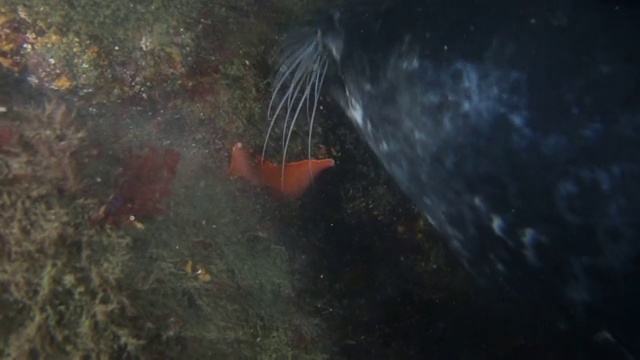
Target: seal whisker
[[314, 80], [289, 64], [319, 80], [289, 95], [289, 132], [300, 77], [304, 75], [302, 66]]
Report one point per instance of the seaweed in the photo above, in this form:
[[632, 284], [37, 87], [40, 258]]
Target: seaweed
[[39, 145], [59, 275]]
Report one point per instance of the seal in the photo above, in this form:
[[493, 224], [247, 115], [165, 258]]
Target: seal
[[513, 125]]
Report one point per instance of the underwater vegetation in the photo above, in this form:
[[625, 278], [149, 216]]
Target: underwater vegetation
[[206, 278], [59, 275], [30, 153]]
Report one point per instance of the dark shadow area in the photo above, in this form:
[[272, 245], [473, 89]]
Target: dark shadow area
[[370, 286]]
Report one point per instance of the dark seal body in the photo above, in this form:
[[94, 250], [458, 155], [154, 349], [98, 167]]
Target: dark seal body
[[514, 126]]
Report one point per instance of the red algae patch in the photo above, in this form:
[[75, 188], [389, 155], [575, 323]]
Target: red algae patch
[[142, 184]]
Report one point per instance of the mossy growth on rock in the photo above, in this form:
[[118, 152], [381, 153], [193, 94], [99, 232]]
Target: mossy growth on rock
[[59, 274]]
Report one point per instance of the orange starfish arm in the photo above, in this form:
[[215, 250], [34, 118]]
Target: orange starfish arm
[[242, 166], [297, 175]]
